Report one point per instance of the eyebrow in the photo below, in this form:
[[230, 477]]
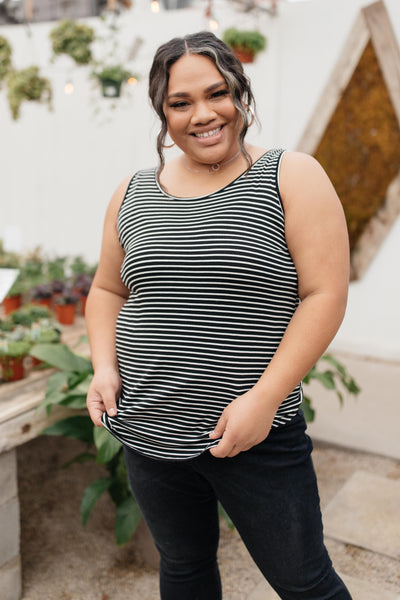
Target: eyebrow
[[210, 88]]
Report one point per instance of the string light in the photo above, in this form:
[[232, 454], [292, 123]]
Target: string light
[[69, 88], [132, 81], [155, 6]]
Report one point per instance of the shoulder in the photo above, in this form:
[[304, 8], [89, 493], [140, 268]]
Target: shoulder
[[300, 171], [119, 195]]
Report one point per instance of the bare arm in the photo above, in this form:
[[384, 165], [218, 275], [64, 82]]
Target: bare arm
[[317, 238], [106, 298]]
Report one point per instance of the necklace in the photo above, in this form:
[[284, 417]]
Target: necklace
[[212, 168]]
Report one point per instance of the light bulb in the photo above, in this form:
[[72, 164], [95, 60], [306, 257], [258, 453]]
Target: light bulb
[[132, 81], [69, 88], [213, 24], [155, 6]]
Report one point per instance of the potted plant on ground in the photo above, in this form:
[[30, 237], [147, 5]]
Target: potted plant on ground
[[245, 44], [12, 354], [111, 79], [13, 299], [65, 307], [42, 294], [74, 39], [27, 85], [82, 287]]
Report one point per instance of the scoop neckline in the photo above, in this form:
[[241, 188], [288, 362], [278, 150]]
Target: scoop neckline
[[171, 196]]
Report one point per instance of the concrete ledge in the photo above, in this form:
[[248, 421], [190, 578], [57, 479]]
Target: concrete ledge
[[10, 580], [10, 531], [8, 476]]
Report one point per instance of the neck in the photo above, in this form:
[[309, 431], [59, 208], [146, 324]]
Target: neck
[[211, 168]]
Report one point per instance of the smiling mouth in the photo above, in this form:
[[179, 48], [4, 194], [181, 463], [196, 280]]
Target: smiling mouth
[[208, 134]]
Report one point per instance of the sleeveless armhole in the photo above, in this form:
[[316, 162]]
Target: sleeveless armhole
[[277, 181], [127, 192]]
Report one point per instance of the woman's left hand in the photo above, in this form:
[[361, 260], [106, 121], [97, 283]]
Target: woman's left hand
[[245, 422]]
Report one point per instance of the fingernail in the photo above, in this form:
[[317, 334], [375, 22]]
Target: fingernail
[[112, 412]]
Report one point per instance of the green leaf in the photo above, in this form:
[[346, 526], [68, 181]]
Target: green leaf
[[90, 496], [308, 411], [327, 379], [340, 396], [352, 387], [56, 382], [61, 357], [224, 514], [77, 401], [79, 427], [335, 363], [126, 520], [107, 446]]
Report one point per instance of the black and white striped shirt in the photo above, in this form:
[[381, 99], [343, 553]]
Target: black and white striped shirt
[[213, 288]]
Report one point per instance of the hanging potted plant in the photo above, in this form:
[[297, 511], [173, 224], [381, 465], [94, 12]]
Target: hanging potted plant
[[245, 44], [5, 58], [111, 79], [73, 39], [12, 354], [65, 307], [27, 85]]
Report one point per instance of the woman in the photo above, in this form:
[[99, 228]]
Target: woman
[[234, 276]]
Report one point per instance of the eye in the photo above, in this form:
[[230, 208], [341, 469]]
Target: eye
[[220, 94], [180, 104]]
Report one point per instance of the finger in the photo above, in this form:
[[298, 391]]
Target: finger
[[108, 398], [220, 428], [224, 447]]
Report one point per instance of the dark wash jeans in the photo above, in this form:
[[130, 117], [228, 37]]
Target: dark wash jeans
[[270, 493]]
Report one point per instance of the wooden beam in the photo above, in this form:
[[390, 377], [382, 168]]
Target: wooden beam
[[386, 48], [337, 83]]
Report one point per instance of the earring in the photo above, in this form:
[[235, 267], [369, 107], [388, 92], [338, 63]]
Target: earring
[[170, 146]]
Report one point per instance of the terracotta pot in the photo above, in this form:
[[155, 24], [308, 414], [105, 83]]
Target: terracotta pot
[[43, 302], [12, 303], [83, 304], [12, 368], [244, 55], [65, 313]]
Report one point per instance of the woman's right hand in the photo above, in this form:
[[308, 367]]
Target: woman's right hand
[[103, 393]]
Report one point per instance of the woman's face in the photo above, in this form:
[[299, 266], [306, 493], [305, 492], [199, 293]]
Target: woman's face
[[201, 117]]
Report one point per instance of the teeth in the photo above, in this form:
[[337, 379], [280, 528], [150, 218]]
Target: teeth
[[208, 133]]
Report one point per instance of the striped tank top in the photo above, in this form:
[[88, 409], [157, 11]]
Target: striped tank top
[[212, 290]]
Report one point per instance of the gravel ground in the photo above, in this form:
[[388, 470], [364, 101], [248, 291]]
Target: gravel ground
[[63, 561]]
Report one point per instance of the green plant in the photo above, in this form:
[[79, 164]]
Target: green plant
[[27, 85], [67, 297], [111, 79], [5, 57], [68, 387], [14, 349], [115, 73], [28, 314], [335, 379], [74, 39], [254, 41]]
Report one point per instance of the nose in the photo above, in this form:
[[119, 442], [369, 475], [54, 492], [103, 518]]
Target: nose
[[202, 113]]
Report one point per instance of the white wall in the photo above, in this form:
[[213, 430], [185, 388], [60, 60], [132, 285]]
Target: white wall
[[59, 169]]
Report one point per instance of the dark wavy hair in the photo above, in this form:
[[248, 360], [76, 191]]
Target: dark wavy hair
[[206, 44]]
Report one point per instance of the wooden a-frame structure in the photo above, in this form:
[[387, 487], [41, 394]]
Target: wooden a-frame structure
[[371, 47]]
